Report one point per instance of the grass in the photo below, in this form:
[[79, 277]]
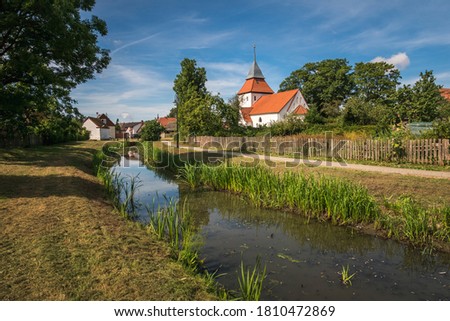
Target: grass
[[63, 240]]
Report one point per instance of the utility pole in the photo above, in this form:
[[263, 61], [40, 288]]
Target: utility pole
[[178, 124]]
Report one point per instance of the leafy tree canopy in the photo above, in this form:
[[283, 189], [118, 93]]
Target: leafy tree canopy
[[151, 131], [325, 84], [375, 82], [46, 50]]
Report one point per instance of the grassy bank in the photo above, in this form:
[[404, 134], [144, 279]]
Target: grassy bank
[[61, 239]]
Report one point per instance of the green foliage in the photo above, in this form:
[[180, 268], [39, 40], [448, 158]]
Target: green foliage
[[357, 111], [346, 277], [325, 198], [325, 84], [376, 82], [426, 98], [290, 126], [46, 50], [151, 131], [173, 224], [251, 281]]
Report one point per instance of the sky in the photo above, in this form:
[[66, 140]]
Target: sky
[[148, 39]]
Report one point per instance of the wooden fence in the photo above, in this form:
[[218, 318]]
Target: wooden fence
[[18, 140], [421, 151]]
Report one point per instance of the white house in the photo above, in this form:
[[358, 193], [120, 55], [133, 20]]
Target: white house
[[100, 127], [261, 106]]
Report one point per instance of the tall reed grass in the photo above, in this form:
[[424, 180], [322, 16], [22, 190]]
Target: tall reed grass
[[324, 198], [420, 226], [173, 224]]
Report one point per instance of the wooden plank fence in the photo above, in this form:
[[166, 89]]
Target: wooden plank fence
[[420, 151], [18, 140]]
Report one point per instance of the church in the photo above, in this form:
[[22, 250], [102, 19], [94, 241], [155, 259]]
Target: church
[[260, 106]]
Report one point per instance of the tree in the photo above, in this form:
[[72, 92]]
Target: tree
[[426, 98], [189, 87], [46, 50], [376, 82], [228, 113], [325, 84], [151, 131]]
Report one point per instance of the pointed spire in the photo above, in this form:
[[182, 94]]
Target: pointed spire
[[255, 71]]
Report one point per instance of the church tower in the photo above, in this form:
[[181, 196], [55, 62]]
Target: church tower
[[254, 87]]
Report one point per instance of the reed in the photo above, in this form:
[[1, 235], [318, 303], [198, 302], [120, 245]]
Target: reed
[[346, 277], [251, 281], [173, 224], [324, 198]]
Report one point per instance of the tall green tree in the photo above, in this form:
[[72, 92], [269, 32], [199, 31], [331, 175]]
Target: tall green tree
[[426, 97], [46, 50], [325, 84], [190, 88]]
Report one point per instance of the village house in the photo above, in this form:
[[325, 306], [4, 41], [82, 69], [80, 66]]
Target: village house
[[259, 104], [169, 124], [131, 129], [100, 127]]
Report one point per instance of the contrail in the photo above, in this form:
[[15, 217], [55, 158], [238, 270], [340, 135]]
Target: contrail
[[134, 43]]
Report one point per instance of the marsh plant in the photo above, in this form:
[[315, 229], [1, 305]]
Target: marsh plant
[[251, 281], [325, 198], [173, 224], [346, 277]]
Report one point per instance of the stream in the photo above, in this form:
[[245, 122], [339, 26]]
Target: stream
[[303, 258]]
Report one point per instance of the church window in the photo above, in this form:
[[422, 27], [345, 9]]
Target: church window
[[260, 119]]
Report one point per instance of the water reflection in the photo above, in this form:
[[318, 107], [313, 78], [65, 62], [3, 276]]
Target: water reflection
[[303, 258]]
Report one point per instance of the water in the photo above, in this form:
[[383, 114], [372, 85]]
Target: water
[[303, 258]]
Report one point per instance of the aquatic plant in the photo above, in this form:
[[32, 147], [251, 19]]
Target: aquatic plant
[[346, 277], [173, 224], [334, 199], [251, 281]]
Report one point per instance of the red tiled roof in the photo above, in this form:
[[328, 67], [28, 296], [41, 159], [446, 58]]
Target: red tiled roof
[[300, 110], [445, 92], [246, 114], [271, 104], [165, 121], [255, 85], [108, 121]]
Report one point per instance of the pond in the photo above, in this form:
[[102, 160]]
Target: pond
[[303, 258]]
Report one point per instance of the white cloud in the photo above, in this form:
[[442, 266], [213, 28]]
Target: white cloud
[[400, 60]]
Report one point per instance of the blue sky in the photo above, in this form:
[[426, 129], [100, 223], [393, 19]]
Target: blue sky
[[148, 40]]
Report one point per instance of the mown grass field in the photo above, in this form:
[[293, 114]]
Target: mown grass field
[[60, 238]]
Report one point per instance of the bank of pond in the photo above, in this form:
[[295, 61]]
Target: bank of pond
[[281, 237]]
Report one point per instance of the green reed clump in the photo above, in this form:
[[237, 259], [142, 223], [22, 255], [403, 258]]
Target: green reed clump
[[251, 281], [346, 277], [174, 225], [421, 226], [334, 199]]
